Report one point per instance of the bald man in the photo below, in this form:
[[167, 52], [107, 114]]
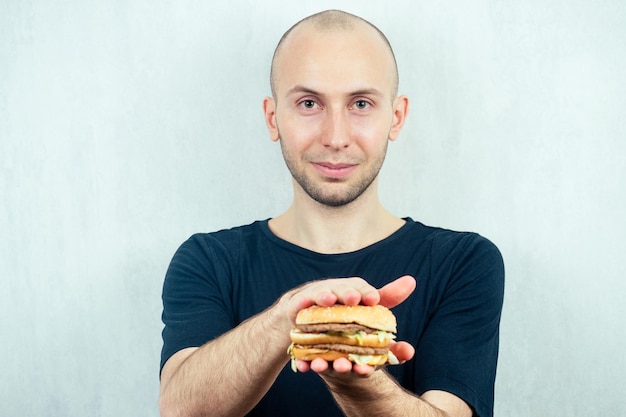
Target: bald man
[[231, 297]]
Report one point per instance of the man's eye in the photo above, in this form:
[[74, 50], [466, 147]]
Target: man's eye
[[361, 104], [308, 104]]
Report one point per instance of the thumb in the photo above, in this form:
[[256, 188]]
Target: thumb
[[397, 291]]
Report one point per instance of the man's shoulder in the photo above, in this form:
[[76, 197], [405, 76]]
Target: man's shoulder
[[438, 232], [231, 233], [443, 238], [226, 240], [254, 228]]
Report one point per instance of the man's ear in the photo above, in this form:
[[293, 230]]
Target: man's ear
[[269, 109], [400, 112]]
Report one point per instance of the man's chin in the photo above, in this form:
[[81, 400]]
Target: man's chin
[[334, 192], [334, 199]]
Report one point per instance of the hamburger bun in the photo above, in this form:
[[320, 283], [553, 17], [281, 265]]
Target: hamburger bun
[[376, 317], [361, 334]]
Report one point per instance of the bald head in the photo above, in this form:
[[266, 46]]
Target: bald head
[[327, 22]]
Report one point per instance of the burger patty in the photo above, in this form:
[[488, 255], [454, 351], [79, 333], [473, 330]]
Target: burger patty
[[359, 350], [334, 327]]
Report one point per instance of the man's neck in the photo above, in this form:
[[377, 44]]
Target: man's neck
[[325, 229]]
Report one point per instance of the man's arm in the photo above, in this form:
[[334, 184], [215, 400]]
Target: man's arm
[[229, 375], [380, 395], [364, 391]]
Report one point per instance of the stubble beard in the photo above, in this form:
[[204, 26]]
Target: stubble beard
[[333, 192]]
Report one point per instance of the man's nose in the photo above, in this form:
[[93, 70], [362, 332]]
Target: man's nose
[[336, 130]]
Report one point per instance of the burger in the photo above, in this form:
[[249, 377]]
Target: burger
[[362, 334]]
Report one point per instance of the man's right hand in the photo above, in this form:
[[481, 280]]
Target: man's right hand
[[348, 291]]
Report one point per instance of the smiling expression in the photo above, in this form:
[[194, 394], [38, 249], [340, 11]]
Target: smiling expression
[[334, 110]]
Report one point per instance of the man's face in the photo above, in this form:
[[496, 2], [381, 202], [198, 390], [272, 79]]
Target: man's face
[[335, 110]]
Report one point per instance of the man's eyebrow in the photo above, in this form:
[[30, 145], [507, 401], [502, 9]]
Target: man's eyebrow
[[367, 92], [298, 89]]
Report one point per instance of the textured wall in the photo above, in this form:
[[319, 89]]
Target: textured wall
[[127, 126]]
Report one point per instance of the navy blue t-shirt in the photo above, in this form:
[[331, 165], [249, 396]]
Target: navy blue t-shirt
[[217, 280]]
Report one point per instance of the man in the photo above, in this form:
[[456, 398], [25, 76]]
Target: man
[[231, 297]]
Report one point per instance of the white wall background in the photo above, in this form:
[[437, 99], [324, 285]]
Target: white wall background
[[127, 126]]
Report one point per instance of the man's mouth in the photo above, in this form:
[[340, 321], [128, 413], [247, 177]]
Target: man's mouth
[[334, 170]]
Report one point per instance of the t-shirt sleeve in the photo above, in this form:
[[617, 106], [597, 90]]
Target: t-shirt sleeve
[[458, 350], [196, 296]]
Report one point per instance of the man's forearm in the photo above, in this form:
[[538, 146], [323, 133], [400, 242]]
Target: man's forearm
[[228, 376], [378, 395]]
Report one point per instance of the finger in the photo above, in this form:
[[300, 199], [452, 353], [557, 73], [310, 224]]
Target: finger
[[342, 365], [348, 296], [319, 365], [347, 291], [397, 291], [403, 351], [325, 298], [351, 291], [369, 295], [306, 296], [295, 303], [299, 302], [363, 370], [303, 366]]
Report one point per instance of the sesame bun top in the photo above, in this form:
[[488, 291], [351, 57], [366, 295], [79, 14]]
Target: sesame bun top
[[375, 317]]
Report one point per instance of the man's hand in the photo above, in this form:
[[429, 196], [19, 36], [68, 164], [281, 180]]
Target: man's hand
[[348, 291], [403, 351], [353, 291]]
